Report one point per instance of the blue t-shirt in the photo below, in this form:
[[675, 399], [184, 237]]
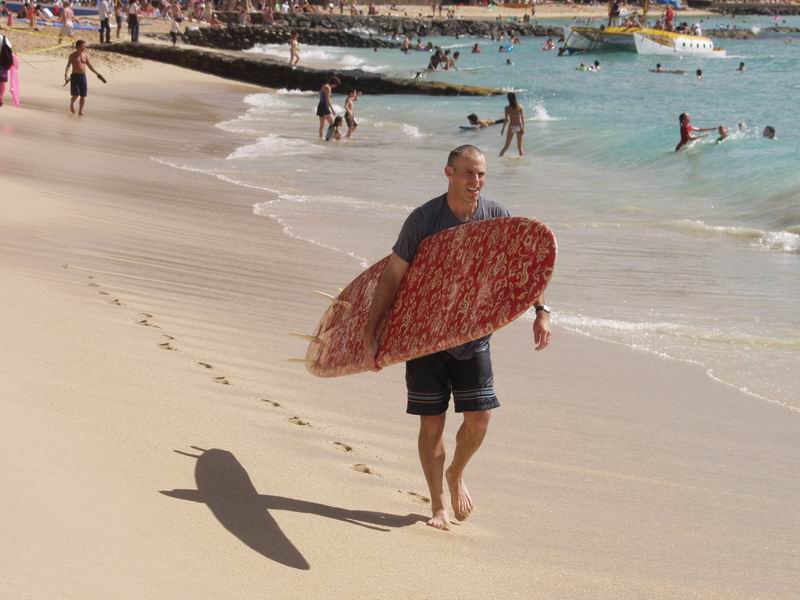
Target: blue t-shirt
[[435, 216]]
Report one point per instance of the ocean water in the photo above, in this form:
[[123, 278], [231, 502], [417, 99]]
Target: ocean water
[[694, 256]]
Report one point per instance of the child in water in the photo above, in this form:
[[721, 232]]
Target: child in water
[[333, 132], [723, 133]]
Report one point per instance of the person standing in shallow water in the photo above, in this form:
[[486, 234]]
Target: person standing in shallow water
[[325, 110], [686, 130], [464, 371], [515, 121]]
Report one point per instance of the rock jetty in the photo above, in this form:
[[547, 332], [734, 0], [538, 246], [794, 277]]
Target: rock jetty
[[267, 72]]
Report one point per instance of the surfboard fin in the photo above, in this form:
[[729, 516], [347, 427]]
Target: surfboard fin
[[304, 336], [299, 360], [333, 299]]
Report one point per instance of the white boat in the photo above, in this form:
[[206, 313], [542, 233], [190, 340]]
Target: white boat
[[672, 44]]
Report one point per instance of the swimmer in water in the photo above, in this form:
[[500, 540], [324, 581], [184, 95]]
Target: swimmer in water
[[723, 133], [769, 132], [481, 123], [741, 67], [686, 131], [699, 73]]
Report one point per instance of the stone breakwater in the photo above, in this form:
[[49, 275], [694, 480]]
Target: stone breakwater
[[730, 8], [266, 72], [747, 34], [390, 25], [244, 37]]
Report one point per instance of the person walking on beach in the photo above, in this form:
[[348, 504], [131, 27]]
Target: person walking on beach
[[104, 14], [325, 110], [686, 131], [294, 50], [79, 61], [515, 121], [466, 370], [67, 19]]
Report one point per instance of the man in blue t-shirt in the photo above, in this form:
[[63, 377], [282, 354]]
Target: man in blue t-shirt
[[466, 370]]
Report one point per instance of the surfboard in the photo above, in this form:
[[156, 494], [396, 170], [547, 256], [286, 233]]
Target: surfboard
[[464, 283]]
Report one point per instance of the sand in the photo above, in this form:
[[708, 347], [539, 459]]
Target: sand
[[157, 443]]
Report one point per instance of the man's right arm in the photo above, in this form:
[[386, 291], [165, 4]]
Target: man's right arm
[[382, 302]]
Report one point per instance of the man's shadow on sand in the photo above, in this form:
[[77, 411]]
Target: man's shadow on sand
[[223, 485]]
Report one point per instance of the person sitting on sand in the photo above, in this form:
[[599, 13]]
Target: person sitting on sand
[[333, 133], [515, 120], [723, 134], [481, 123], [325, 110], [686, 131]]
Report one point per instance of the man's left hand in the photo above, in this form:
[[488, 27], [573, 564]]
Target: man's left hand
[[541, 330]]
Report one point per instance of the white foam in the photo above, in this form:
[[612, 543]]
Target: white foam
[[274, 145], [285, 92], [265, 101], [780, 240], [412, 131], [264, 209]]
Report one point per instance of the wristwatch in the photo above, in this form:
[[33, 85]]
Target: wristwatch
[[542, 307]]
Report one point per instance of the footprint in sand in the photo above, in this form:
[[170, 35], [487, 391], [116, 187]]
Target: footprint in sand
[[93, 284], [271, 402], [146, 315], [417, 497], [169, 337], [343, 446], [222, 379], [364, 469], [116, 301], [166, 346], [104, 293], [147, 323], [205, 365], [299, 421]]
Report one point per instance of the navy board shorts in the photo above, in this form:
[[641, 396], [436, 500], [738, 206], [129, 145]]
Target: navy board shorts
[[78, 85], [431, 379]]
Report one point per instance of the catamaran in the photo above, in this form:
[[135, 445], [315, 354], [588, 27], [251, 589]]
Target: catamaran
[[633, 35]]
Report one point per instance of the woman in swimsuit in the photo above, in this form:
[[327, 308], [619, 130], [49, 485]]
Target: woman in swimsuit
[[325, 110], [516, 124]]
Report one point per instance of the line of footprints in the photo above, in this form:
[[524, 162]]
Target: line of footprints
[[168, 343]]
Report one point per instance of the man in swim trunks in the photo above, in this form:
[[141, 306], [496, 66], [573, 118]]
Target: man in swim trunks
[[466, 371], [79, 62]]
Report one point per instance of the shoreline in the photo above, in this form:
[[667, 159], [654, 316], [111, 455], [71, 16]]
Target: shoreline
[[607, 489]]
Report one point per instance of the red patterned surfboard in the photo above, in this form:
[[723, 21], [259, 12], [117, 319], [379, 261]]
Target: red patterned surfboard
[[464, 283]]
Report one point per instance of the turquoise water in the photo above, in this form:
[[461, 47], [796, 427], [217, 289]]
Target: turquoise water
[[692, 255]]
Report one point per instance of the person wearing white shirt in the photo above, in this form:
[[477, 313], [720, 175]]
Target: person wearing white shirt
[[104, 12], [133, 20]]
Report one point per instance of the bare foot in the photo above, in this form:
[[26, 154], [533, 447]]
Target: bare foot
[[72, 109], [459, 497], [439, 520]]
